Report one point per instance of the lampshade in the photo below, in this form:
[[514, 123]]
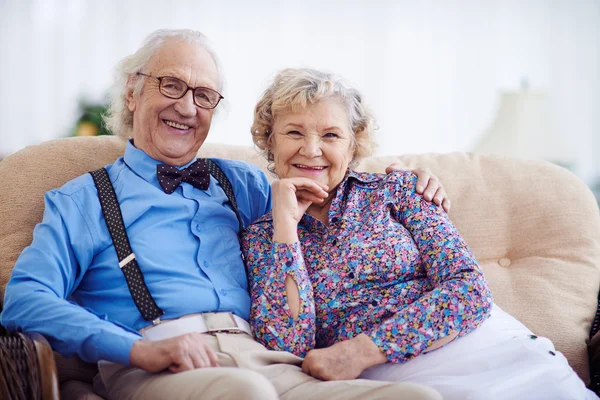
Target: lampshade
[[524, 128]]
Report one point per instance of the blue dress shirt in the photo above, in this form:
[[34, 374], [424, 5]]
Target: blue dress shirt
[[68, 286]]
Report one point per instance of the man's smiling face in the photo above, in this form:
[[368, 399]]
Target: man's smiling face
[[172, 130]]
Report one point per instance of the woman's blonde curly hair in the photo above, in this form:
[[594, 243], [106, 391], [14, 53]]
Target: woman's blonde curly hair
[[295, 88]]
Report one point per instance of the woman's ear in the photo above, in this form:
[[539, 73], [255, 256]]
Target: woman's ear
[[267, 142], [354, 142], [129, 97], [354, 156]]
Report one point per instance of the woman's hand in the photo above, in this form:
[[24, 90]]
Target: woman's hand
[[291, 199], [344, 360], [428, 185]]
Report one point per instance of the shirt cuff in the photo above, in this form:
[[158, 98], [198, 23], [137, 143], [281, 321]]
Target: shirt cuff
[[288, 257], [118, 348]]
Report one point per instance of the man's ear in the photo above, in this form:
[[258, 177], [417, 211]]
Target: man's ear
[[129, 98]]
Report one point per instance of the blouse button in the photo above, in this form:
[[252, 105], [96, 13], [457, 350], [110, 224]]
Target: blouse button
[[374, 302], [351, 275], [334, 242], [334, 219], [504, 262]]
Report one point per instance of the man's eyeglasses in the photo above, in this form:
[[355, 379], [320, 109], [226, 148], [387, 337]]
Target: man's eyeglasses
[[174, 88]]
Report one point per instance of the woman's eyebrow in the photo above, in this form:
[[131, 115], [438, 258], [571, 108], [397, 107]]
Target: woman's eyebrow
[[292, 124]]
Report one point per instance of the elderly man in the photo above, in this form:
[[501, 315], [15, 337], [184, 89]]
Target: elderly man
[[162, 304]]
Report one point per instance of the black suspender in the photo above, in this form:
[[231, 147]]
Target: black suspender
[[127, 262], [220, 176]]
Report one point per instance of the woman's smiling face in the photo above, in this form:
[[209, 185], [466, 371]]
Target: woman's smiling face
[[316, 142]]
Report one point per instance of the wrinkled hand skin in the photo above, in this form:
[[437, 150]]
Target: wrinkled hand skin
[[344, 360], [428, 185], [348, 359], [178, 354]]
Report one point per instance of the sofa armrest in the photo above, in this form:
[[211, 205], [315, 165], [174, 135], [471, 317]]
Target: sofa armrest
[[48, 372], [27, 367]]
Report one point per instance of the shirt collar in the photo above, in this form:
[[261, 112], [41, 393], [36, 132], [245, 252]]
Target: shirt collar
[[144, 165], [364, 177]]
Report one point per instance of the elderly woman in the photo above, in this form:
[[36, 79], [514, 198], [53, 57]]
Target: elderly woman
[[359, 275]]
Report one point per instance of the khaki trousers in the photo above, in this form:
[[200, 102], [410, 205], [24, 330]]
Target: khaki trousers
[[247, 371]]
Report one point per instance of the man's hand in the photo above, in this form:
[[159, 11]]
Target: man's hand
[[344, 360], [178, 354], [428, 185]]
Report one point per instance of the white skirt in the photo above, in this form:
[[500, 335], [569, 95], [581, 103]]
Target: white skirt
[[501, 360]]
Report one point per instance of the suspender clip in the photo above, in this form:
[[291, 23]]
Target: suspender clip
[[126, 260]]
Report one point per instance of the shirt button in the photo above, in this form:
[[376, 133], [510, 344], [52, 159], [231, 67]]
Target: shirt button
[[334, 242], [351, 275], [374, 303], [223, 292], [334, 219], [205, 264]]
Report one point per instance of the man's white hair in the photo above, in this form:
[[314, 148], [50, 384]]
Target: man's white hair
[[118, 118]]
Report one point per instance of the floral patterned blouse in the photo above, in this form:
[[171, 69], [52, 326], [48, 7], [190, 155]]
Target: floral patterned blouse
[[388, 264]]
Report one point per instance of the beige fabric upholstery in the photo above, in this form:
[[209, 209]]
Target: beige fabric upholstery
[[534, 227]]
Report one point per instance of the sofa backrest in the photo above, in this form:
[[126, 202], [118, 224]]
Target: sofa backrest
[[534, 227]]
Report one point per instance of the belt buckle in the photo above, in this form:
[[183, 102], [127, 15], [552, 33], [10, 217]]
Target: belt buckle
[[221, 322]]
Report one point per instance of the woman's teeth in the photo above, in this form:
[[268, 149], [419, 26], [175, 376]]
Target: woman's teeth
[[309, 167]]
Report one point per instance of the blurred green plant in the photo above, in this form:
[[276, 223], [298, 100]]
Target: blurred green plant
[[90, 123]]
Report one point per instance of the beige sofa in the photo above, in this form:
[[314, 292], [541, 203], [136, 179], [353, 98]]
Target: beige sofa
[[534, 227]]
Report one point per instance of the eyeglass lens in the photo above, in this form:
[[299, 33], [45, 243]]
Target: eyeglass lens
[[176, 88]]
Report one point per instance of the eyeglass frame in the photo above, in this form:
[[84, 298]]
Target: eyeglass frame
[[193, 89]]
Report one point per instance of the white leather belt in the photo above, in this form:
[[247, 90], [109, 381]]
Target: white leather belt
[[225, 322]]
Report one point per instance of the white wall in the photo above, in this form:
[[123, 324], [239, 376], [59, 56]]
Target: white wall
[[432, 70]]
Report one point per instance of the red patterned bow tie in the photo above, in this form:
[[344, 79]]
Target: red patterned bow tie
[[170, 177]]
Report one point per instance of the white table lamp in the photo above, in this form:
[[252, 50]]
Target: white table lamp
[[524, 128]]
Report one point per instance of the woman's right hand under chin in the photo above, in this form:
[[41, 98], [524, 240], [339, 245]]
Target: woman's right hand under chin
[[291, 199]]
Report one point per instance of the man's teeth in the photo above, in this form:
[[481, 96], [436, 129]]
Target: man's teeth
[[176, 125], [308, 167]]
